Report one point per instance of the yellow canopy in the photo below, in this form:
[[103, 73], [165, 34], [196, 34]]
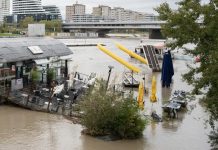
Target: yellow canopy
[[140, 97], [120, 60], [136, 56], [153, 97]]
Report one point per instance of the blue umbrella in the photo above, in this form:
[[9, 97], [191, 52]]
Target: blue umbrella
[[167, 70]]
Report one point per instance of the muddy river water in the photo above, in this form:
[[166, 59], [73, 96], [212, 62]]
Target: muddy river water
[[28, 130]]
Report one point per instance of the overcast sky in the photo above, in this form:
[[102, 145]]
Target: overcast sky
[[136, 5]]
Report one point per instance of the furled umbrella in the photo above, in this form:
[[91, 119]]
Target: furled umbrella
[[167, 70], [140, 98], [153, 97]]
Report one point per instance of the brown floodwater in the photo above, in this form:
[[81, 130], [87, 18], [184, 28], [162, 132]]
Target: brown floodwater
[[22, 129]]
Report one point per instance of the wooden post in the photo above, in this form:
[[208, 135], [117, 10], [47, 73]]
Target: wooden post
[[132, 81], [66, 69], [27, 101], [109, 74]]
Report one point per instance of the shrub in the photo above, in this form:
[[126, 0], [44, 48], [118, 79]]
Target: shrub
[[34, 77], [50, 75], [109, 113]]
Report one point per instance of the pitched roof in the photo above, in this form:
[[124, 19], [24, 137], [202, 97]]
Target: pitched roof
[[16, 49]]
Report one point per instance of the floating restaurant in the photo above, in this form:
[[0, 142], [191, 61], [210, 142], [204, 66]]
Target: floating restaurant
[[18, 56]]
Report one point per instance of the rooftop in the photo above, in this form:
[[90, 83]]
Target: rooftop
[[17, 49]]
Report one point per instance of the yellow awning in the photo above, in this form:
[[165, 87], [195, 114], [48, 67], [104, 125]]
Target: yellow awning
[[117, 58]]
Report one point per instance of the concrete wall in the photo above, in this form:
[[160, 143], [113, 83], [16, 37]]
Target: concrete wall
[[86, 35]]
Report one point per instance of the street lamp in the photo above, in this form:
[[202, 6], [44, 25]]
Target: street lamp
[[109, 74]]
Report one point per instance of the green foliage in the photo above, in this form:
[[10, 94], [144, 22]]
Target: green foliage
[[24, 23], [50, 75], [214, 138], [35, 75], [7, 30], [183, 26], [110, 113], [52, 26]]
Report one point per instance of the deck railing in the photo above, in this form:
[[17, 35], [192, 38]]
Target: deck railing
[[6, 72]]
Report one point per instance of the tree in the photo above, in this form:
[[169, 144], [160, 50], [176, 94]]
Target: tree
[[110, 113], [197, 23], [52, 26], [27, 20], [34, 77], [50, 75]]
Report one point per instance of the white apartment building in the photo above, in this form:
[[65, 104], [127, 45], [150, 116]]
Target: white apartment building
[[75, 9], [4, 9], [121, 14], [96, 11], [101, 13], [53, 10], [101, 10], [117, 13], [89, 18], [27, 7]]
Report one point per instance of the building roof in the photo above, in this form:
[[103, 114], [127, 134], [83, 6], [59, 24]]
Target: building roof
[[16, 49]]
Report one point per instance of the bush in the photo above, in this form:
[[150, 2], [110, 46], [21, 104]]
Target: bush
[[109, 113], [50, 75], [34, 77]]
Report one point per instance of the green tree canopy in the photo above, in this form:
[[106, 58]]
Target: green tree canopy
[[24, 23], [52, 25], [197, 23]]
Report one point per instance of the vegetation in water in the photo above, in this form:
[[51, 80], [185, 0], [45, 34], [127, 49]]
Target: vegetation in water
[[110, 113], [35, 77], [50, 75], [197, 23]]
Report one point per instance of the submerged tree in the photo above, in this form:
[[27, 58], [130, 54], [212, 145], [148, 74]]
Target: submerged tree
[[50, 75], [35, 77], [111, 113], [197, 23]]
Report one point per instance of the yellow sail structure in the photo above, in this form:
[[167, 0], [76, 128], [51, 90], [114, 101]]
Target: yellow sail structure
[[136, 56], [117, 58], [140, 97], [153, 97]]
